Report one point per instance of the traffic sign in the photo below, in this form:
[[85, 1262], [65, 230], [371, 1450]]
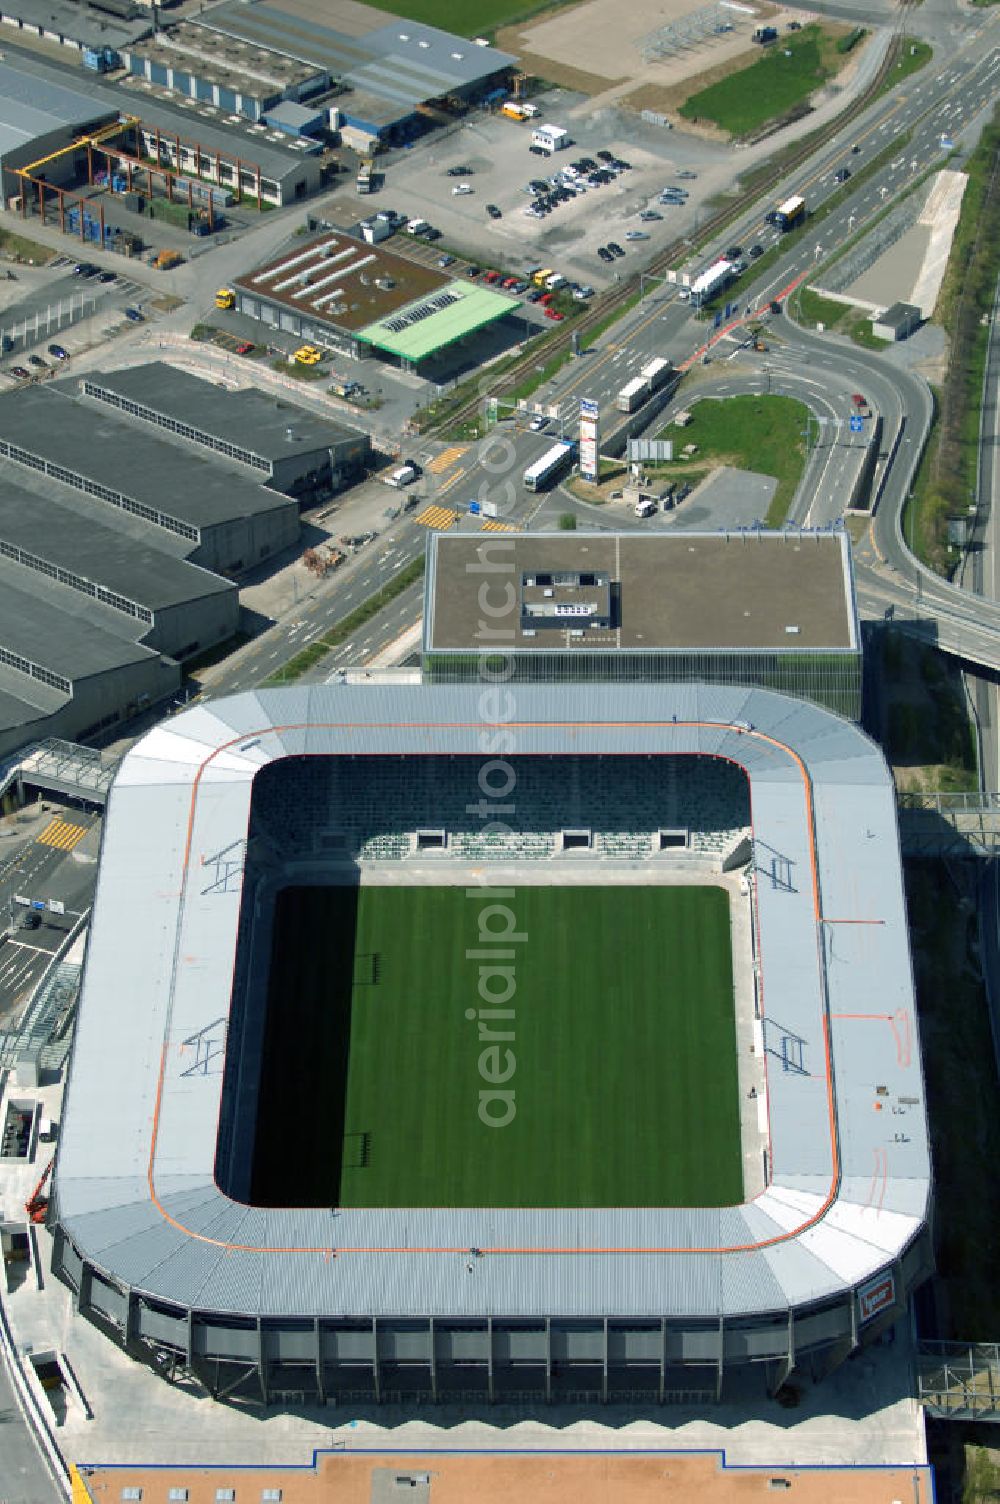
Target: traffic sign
[[473, 508], [857, 423], [718, 320]]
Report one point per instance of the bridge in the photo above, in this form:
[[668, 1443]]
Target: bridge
[[959, 1380], [955, 825], [58, 767]]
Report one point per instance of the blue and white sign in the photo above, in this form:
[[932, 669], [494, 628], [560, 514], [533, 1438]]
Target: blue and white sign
[[857, 423], [589, 408]]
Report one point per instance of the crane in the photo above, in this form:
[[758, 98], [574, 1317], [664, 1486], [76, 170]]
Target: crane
[[37, 1203]]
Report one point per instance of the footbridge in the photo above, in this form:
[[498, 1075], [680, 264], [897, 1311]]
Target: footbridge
[[934, 825], [58, 767]]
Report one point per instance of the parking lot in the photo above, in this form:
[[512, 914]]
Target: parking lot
[[58, 308], [500, 165]]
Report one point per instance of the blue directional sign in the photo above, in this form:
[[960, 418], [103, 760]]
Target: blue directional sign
[[857, 423], [718, 320], [473, 508]]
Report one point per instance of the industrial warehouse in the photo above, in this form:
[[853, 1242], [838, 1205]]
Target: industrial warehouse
[[357, 298], [746, 607], [125, 516], [160, 1229]]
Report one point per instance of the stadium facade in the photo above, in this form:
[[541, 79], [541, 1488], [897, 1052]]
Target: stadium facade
[[478, 1303]]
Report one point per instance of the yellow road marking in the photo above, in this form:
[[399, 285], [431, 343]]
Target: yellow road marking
[[62, 834], [440, 518]]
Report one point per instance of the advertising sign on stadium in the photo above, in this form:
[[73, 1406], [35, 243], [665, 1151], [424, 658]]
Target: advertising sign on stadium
[[876, 1296], [589, 438]]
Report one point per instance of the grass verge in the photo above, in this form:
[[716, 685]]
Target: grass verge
[[309, 656], [928, 737], [766, 434], [20, 248], [946, 483], [784, 76]]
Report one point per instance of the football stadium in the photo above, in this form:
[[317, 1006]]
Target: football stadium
[[486, 1043]]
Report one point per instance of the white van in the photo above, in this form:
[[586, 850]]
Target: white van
[[417, 226], [646, 507]]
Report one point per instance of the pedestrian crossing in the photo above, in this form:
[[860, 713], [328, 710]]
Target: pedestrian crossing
[[63, 834], [489, 526], [440, 518], [446, 459]]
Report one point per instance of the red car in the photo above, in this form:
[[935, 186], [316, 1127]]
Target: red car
[[509, 282], [546, 298], [244, 347], [492, 277], [553, 313]]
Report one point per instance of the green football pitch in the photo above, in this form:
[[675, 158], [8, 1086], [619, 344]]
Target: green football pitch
[[622, 1062]]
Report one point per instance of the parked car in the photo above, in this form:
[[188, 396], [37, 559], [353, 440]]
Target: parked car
[[37, 361], [604, 253], [687, 174], [493, 211], [508, 283], [431, 233], [308, 355], [245, 347], [555, 315], [491, 276], [58, 352], [615, 248], [20, 373], [648, 215], [622, 165], [460, 172], [107, 276], [755, 251], [538, 151], [605, 156], [636, 235], [133, 315], [472, 271], [535, 296], [855, 149]]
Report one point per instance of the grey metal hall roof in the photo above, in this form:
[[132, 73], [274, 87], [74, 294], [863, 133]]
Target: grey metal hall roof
[[135, 1185], [181, 482], [31, 107], [247, 418], [96, 550]]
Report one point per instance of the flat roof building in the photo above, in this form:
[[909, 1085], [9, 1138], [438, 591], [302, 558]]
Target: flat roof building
[[289, 449], [38, 117], [897, 322], [232, 74], [356, 297], [391, 72], [747, 607], [74, 26]]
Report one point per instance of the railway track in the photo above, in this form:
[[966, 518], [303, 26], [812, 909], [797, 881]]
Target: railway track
[[560, 343]]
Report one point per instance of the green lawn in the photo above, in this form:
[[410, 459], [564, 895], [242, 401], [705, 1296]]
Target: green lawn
[[468, 18], [771, 86], [763, 433], [624, 1052]]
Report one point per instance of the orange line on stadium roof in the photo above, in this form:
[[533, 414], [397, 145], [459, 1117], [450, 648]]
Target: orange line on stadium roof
[[326, 1250]]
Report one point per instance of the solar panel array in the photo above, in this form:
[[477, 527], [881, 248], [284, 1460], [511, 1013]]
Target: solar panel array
[[423, 311]]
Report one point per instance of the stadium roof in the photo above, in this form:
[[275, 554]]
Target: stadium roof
[[246, 418], [679, 591], [30, 108], [419, 330], [848, 1193]]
